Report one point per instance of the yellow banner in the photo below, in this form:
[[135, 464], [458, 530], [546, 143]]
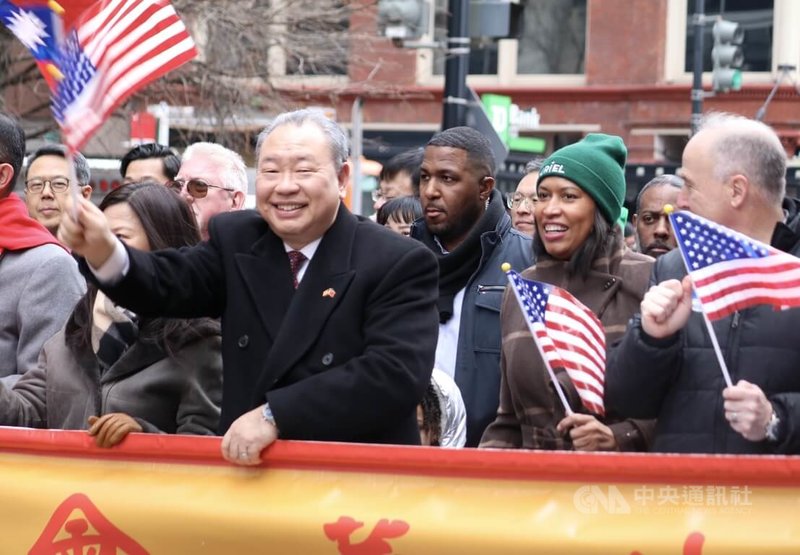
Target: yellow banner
[[175, 495]]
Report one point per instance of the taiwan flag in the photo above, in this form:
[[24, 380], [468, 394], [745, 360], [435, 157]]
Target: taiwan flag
[[40, 26]]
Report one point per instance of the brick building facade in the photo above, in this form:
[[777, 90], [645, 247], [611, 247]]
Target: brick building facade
[[634, 83]]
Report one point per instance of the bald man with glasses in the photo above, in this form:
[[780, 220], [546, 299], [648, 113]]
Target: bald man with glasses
[[213, 180]]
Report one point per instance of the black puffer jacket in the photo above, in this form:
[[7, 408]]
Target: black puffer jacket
[[678, 379]]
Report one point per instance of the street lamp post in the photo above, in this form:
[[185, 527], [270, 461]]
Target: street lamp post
[[455, 98]]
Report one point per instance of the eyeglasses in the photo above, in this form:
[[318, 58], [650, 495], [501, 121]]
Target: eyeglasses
[[36, 185], [517, 200], [196, 187], [377, 195]]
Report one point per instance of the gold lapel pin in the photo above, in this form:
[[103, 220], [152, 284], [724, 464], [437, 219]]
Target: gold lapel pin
[[329, 293]]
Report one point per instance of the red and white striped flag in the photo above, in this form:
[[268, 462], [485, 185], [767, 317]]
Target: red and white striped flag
[[731, 271], [115, 48], [569, 335]]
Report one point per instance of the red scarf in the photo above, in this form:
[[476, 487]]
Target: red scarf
[[18, 231]]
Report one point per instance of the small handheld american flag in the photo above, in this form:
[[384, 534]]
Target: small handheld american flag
[[568, 335], [731, 271]]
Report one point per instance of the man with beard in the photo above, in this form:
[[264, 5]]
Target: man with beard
[[653, 232], [466, 225]]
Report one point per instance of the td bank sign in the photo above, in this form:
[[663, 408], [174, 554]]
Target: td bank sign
[[508, 120]]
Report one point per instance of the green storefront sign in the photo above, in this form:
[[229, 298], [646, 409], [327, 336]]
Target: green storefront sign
[[498, 107]]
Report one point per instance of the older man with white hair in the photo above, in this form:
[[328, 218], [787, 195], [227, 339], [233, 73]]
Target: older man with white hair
[[213, 180]]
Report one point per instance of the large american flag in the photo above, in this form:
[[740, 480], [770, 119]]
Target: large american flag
[[731, 271], [116, 47], [569, 334]]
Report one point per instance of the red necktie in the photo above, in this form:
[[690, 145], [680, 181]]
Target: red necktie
[[296, 259]]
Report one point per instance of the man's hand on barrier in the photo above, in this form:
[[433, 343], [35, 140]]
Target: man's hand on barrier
[[247, 437]]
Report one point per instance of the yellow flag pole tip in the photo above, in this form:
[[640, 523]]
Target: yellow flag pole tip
[[56, 7], [505, 266], [668, 209]]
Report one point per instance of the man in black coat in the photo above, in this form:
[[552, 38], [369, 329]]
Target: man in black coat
[[329, 321], [665, 367]]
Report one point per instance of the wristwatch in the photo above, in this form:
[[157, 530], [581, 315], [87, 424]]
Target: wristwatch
[[773, 428], [267, 414]]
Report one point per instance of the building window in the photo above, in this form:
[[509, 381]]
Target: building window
[[482, 55], [756, 19], [550, 49], [552, 37]]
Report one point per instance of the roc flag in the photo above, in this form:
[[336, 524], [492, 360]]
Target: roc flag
[[115, 48], [731, 271], [38, 27], [569, 335]]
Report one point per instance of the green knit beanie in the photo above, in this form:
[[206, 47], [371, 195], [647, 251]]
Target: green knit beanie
[[596, 164]]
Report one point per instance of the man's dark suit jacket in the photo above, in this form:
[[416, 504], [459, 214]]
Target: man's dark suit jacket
[[345, 357]]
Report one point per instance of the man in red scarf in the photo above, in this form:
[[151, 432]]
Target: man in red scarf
[[39, 280]]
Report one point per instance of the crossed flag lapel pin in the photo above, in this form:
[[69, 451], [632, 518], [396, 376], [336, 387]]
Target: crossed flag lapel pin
[[329, 292]]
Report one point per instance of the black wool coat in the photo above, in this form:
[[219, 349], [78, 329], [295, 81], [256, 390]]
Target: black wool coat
[[345, 357]]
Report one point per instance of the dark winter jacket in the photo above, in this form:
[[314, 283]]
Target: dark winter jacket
[[678, 380]]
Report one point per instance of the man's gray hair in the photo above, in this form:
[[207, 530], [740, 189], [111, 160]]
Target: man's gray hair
[[751, 148], [534, 165], [82, 172], [666, 179], [234, 170], [337, 138]]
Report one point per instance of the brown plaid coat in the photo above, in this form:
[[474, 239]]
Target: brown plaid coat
[[529, 409]]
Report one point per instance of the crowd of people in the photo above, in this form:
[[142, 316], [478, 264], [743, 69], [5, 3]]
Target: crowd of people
[[169, 308]]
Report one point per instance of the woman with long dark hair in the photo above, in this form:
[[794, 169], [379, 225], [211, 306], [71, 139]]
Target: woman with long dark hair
[[579, 247], [112, 372]]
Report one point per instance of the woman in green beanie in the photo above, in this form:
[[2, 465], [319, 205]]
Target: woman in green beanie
[[578, 247]]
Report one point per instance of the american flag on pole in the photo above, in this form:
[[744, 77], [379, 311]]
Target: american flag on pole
[[116, 47], [569, 335], [731, 271]]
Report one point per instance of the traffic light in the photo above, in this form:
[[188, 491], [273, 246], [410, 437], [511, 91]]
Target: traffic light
[[403, 19], [727, 56]]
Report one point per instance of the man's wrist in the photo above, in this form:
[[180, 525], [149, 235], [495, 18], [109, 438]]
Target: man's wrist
[[653, 340], [773, 428], [114, 267], [266, 413]]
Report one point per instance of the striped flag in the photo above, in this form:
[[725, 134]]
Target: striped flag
[[116, 47], [731, 271], [569, 335]]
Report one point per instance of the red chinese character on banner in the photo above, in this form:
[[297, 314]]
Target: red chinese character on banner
[[77, 526], [375, 544], [692, 546]]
